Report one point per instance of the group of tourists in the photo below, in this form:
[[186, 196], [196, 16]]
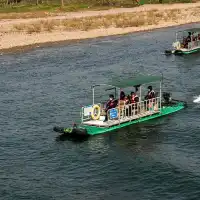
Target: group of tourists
[[191, 37], [129, 99]]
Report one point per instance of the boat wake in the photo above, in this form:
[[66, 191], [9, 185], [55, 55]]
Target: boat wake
[[196, 99]]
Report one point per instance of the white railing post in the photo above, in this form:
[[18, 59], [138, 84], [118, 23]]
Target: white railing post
[[140, 95], [82, 115], [160, 94], [131, 109], [92, 95]]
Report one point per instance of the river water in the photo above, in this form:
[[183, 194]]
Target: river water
[[45, 87]]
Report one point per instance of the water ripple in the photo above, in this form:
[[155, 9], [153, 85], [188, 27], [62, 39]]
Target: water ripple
[[154, 160]]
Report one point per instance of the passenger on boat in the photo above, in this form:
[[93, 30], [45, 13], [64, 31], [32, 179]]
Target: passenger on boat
[[150, 94], [136, 87], [134, 97], [194, 36], [185, 43], [187, 40], [150, 97], [134, 100], [122, 96], [189, 37], [127, 99], [111, 103], [124, 99]]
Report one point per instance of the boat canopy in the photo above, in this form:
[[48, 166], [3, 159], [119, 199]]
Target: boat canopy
[[139, 80]]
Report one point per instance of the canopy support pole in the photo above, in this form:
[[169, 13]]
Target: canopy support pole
[[119, 105], [140, 96], [160, 93], [93, 95]]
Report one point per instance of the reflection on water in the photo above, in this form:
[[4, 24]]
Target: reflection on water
[[99, 144], [77, 139], [139, 139], [184, 160]]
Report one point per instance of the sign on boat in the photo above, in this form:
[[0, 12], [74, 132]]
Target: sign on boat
[[187, 42], [93, 116]]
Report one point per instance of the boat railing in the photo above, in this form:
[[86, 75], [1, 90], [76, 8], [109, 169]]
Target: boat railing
[[194, 44], [86, 112], [131, 110], [123, 111]]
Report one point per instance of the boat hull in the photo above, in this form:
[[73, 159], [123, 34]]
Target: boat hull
[[86, 130], [73, 132], [182, 52]]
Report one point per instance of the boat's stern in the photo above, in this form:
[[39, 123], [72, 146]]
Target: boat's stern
[[73, 132], [168, 52]]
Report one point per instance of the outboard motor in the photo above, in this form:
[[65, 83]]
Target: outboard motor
[[167, 97]]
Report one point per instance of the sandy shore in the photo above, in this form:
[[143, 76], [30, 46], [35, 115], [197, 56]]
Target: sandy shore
[[10, 39]]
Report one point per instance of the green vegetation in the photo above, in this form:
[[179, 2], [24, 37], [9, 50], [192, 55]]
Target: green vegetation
[[44, 7], [42, 10], [65, 6], [9, 6]]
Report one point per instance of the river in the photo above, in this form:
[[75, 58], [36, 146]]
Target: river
[[45, 87]]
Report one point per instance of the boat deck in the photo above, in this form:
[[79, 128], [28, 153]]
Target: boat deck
[[116, 122]]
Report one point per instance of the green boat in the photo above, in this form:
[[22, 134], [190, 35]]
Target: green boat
[[187, 42], [93, 116]]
